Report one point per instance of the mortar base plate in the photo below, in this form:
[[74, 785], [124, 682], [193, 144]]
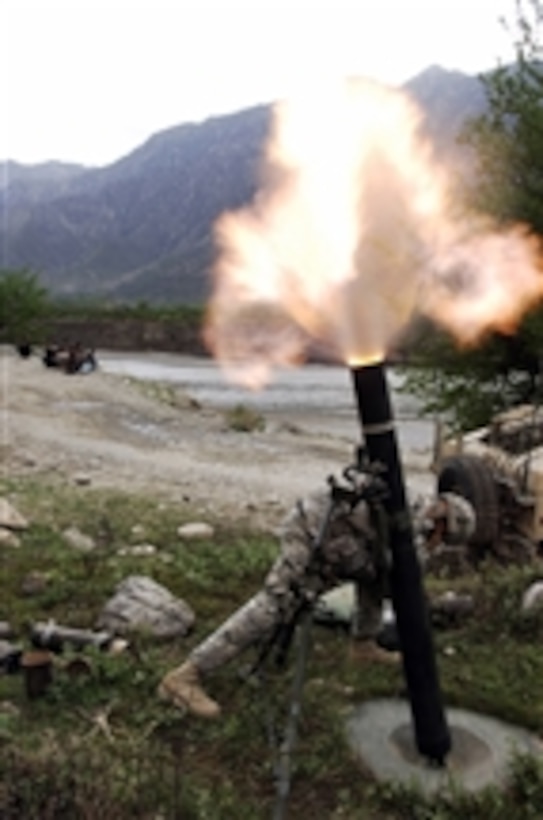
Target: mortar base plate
[[381, 735]]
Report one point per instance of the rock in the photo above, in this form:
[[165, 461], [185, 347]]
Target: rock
[[10, 519], [9, 708], [79, 540], [142, 605], [450, 608], [28, 460], [138, 530], [34, 583], [138, 549], [117, 646], [82, 479], [533, 597], [195, 531], [8, 538]]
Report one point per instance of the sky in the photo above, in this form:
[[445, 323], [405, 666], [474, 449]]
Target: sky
[[88, 81]]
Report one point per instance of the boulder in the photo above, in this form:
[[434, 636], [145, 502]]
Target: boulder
[[10, 519], [82, 479], [533, 597], [142, 605], [195, 531], [8, 538], [78, 540]]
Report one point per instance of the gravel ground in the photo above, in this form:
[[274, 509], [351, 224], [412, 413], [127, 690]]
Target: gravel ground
[[115, 431]]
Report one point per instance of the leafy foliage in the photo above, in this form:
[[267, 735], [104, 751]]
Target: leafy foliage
[[244, 419], [467, 387], [470, 385], [508, 138], [23, 304]]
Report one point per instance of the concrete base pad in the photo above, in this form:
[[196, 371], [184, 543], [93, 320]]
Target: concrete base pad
[[381, 735]]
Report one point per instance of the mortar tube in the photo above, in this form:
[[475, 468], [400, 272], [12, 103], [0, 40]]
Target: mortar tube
[[431, 731]]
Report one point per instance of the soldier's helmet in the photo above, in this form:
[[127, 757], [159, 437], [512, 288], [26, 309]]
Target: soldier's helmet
[[460, 519]]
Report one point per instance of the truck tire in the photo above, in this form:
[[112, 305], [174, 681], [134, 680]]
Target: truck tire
[[472, 478]]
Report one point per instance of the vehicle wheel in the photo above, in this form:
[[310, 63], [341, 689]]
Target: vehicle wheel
[[473, 479]]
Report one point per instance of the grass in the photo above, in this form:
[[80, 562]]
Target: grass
[[153, 762], [243, 419]]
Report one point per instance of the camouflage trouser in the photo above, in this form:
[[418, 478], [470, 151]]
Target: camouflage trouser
[[296, 576], [248, 625]]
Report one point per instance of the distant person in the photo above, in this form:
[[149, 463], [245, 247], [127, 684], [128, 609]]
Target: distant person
[[75, 358], [49, 357], [24, 350], [55, 356], [88, 363], [80, 360]]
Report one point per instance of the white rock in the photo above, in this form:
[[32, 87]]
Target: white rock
[[195, 530], [10, 518], [138, 529], [8, 538], [140, 604], [533, 597], [138, 549], [78, 540]]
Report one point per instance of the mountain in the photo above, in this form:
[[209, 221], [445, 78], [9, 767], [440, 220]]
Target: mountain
[[449, 99], [141, 228]]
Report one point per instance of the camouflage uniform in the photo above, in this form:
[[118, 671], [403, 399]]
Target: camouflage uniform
[[347, 551]]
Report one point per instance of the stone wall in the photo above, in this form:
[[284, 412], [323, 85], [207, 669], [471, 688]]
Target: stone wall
[[128, 334]]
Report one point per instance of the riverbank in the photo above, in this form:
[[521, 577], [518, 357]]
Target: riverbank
[[174, 437]]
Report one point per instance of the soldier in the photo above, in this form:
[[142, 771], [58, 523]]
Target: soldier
[[313, 558]]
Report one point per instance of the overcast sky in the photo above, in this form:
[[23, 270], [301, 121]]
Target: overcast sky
[[88, 81]]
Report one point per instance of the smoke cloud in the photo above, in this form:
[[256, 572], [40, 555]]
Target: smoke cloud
[[351, 234]]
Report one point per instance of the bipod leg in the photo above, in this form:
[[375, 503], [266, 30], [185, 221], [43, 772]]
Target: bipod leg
[[283, 767]]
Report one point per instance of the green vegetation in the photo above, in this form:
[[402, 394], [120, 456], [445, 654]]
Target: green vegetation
[[508, 139], [84, 308], [23, 307], [471, 385], [243, 419], [101, 745], [466, 388], [29, 315]]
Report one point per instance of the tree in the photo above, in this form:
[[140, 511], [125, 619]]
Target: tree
[[23, 304], [508, 138], [469, 386]]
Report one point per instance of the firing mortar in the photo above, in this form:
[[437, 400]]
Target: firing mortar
[[432, 734]]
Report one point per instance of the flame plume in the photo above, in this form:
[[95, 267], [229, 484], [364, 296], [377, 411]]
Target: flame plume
[[350, 234]]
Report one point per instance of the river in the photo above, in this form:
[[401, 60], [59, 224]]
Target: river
[[322, 394]]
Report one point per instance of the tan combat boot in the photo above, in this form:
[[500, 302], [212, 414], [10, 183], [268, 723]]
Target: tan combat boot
[[369, 650], [183, 688]]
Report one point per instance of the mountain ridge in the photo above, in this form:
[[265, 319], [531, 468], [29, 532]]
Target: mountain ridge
[[140, 228]]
